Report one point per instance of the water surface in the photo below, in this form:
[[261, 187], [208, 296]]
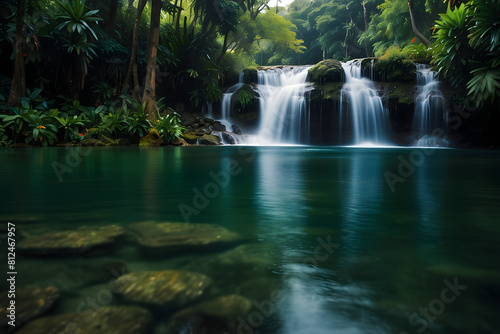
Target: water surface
[[341, 249]]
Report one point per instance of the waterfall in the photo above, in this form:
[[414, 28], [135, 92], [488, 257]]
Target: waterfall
[[226, 102], [284, 109], [429, 106], [363, 106]]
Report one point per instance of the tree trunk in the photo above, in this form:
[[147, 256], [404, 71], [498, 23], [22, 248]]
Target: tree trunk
[[135, 46], [18, 88], [149, 96], [113, 12], [414, 27], [365, 16]]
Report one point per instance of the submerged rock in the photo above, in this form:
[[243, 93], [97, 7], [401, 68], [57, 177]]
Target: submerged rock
[[218, 315], [71, 242], [246, 270], [105, 320], [29, 304], [182, 236], [166, 289]]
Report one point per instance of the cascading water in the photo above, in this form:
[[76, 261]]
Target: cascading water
[[366, 113], [226, 101], [283, 106], [429, 106]]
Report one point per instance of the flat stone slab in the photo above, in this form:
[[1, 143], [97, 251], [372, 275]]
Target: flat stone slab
[[166, 288], [105, 320], [70, 242], [29, 304], [182, 236]]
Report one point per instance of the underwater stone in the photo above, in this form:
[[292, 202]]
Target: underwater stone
[[29, 303], [182, 236], [167, 288], [105, 320], [70, 242]]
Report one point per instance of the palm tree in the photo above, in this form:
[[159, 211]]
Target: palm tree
[[77, 22]]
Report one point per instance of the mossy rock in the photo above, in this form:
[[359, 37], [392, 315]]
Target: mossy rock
[[30, 303], [165, 237], [190, 137], [328, 70], [153, 138], [104, 320], [110, 142], [207, 139], [328, 91], [244, 100], [83, 241], [167, 289], [393, 69], [92, 142], [399, 92], [250, 75]]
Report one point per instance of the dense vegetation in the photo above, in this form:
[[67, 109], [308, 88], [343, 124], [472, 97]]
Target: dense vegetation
[[71, 65]]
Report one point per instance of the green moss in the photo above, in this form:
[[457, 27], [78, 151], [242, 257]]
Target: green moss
[[328, 70], [394, 68], [250, 75], [399, 92], [244, 100], [153, 138], [329, 91], [190, 137], [209, 140]]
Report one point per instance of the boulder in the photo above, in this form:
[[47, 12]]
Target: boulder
[[105, 320], [236, 129], [217, 126], [161, 237], [328, 70], [227, 138], [165, 289], [74, 242], [190, 137], [29, 304], [207, 139]]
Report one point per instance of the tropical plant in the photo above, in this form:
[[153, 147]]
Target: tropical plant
[[77, 21], [74, 108], [137, 124], [22, 117], [467, 48], [42, 131], [70, 127], [112, 123], [104, 92], [169, 126], [485, 38], [452, 49], [92, 116]]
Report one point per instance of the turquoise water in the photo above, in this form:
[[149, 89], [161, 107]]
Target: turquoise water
[[344, 250]]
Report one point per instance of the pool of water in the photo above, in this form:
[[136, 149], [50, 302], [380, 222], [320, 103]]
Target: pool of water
[[339, 239]]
